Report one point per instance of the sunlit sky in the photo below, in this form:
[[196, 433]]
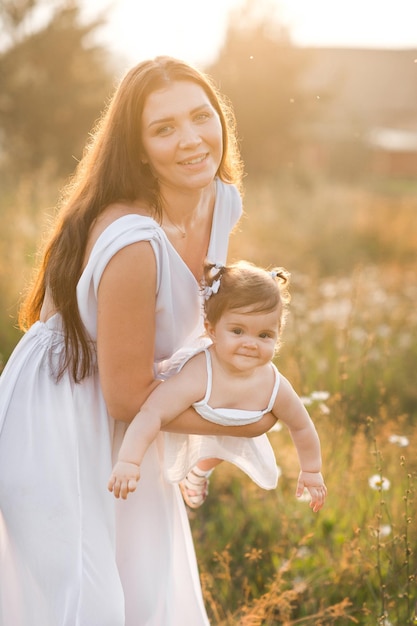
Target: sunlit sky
[[194, 29]]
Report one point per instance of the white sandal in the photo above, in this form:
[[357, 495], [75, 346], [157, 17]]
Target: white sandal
[[194, 487]]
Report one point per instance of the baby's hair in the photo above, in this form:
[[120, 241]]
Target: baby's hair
[[244, 285]]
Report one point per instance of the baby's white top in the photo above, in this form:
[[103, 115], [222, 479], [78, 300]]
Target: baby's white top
[[231, 417]]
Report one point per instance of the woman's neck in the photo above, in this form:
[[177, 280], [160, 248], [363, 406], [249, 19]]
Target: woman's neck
[[184, 211], [187, 222]]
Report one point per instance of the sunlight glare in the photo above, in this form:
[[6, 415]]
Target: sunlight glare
[[194, 31]]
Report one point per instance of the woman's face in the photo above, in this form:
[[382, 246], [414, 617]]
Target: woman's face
[[182, 136]]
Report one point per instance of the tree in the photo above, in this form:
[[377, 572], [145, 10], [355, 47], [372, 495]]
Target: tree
[[261, 72], [53, 85]]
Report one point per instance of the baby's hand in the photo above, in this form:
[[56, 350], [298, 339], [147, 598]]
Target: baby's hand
[[314, 483], [123, 479]]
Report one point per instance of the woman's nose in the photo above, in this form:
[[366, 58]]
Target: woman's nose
[[189, 137]]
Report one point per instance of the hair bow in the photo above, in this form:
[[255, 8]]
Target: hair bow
[[209, 290]]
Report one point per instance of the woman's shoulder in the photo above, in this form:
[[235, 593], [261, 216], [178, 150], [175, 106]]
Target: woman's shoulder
[[112, 215], [119, 226], [119, 220]]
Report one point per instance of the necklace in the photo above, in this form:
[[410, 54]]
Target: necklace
[[183, 233]]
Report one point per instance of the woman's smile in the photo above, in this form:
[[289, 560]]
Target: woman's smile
[[195, 160]]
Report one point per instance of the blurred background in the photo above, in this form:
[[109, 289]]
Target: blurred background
[[325, 95]]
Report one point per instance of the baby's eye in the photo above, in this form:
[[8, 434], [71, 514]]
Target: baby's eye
[[265, 336], [237, 331]]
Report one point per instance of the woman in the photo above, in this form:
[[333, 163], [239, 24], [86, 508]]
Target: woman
[[116, 296]]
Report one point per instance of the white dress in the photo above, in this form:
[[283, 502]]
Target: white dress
[[70, 553]]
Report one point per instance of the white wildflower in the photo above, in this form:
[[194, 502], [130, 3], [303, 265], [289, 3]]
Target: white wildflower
[[399, 440], [379, 483], [385, 530], [382, 531], [320, 396]]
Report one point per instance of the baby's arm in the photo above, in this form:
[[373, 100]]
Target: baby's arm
[[290, 410], [167, 401]]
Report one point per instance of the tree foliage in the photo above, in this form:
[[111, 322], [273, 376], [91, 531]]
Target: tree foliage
[[53, 84], [261, 71]]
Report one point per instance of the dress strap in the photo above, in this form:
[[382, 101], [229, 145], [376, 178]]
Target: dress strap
[[209, 376], [274, 390]]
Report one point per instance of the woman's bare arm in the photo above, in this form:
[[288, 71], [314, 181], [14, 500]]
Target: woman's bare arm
[[126, 330]]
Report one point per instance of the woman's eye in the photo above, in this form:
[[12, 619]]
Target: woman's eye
[[202, 117], [164, 130]]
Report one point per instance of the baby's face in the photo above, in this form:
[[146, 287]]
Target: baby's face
[[245, 338]]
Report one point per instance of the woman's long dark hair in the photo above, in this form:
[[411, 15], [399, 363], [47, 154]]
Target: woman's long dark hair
[[111, 171]]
